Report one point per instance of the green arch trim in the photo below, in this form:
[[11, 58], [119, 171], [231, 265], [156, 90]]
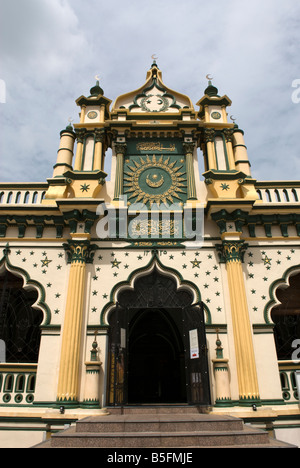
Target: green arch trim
[[145, 269], [272, 291], [41, 304]]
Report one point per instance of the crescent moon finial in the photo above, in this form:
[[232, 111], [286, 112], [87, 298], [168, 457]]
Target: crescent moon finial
[[232, 118], [154, 57], [70, 120], [97, 78], [208, 77]]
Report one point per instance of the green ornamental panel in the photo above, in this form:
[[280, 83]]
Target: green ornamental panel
[[155, 172]]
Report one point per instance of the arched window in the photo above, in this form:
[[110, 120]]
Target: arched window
[[18, 196], [286, 317], [9, 197], [19, 321], [1, 197]]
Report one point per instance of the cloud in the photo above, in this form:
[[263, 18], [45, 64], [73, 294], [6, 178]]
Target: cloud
[[51, 50]]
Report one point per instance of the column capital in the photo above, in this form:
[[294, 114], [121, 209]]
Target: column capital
[[80, 134], [188, 148], [80, 251], [232, 251], [228, 133], [120, 148], [99, 135], [209, 134]]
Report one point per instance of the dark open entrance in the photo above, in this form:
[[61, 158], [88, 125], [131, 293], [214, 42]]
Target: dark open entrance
[[158, 350], [155, 359]]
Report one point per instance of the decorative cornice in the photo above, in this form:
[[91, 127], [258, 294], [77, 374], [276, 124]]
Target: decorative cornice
[[75, 216], [40, 223], [242, 218]]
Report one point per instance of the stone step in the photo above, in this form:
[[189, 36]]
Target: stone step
[[159, 427], [159, 409], [73, 439], [158, 423]]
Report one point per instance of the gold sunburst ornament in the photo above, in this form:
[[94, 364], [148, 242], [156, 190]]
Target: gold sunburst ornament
[[156, 179]]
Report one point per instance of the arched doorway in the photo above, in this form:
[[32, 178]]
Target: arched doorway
[[286, 317], [152, 331], [19, 321]]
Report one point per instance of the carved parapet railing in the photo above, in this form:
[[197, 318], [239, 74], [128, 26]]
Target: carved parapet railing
[[17, 384], [287, 371], [279, 192], [22, 194]]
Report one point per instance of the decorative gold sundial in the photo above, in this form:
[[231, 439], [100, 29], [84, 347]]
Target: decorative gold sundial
[[155, 179]]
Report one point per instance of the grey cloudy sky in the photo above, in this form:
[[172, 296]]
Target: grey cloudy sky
[[50, 51]]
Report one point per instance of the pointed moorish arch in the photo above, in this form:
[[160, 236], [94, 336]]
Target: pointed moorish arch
[[28, 283], [154, 263], [282, 282]]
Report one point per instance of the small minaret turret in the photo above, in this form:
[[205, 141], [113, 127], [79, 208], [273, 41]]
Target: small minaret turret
[[227, 168]]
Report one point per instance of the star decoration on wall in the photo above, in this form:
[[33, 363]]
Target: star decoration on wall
[[115, 263], [196, 263], [46, 262], [267, 260], [84, 188], [224, 187]]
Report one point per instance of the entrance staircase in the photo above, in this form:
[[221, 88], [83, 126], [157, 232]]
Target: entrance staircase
[[161, 427]]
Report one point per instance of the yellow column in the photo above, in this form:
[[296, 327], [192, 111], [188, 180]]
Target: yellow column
[[79, 252], [120, 152], [99, 138], [79, 151], [188, 149], [209, 135], [233, 252], [228, 132]]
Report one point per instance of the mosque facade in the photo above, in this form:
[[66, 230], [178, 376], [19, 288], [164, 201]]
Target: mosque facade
[[154, 284]]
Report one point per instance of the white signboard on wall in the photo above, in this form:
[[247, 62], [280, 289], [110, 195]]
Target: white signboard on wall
[[123, 338], [194, 344], [297, 373]]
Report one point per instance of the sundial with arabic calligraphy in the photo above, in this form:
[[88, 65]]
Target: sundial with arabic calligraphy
[[157, 177]]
